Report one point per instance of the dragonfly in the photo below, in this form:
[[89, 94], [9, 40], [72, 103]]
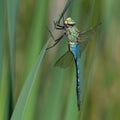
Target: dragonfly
[[76, 45]]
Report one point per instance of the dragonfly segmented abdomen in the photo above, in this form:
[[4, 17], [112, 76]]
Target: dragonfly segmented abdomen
[[73, 49], [78, 83]]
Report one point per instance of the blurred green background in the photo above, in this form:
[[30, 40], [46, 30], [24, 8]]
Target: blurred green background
[[31, 88]]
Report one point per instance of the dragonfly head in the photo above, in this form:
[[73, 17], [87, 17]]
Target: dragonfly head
[[69, 21]]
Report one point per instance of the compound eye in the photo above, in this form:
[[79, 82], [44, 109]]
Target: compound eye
[[66, 22]]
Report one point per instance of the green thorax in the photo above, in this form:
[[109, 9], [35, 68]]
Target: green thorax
[[72, 34]]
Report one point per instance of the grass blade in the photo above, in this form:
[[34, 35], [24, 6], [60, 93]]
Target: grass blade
[[4, 97], [37, 34], [12, 14], [2, 34], [26, 91]]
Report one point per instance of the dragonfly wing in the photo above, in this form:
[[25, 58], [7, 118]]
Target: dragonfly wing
[[85, 36], [82, 46], [65, 60], [91, 30], [88, 34]]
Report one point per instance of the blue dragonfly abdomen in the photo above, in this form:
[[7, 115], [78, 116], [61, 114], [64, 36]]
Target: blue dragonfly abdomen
[[74, 51]]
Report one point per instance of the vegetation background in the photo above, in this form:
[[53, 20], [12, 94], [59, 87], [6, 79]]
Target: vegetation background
[[31, 88]]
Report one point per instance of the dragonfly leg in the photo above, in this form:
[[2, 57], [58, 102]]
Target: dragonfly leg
[[58, 26], [56, 42], [51, 34]]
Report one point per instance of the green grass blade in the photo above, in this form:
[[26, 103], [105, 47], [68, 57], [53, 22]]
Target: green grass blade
[[20, 107], [12, 14], [4, 97], [34, 44], [37, 34], [2, 34], [5, 111]]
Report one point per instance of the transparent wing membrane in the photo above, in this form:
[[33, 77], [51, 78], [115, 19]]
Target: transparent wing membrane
[[85, 36], [91, 30], [65, 60], [82, 46]]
